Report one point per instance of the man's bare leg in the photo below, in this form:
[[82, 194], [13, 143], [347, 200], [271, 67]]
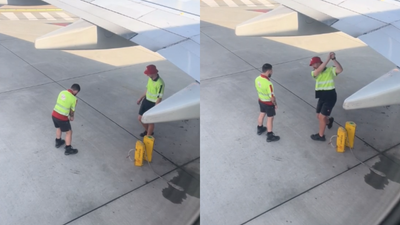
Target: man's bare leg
[[260, 128], [58, 133], [146, 126], [68, 148], [59, 142], [151, 129], [68, 138], [270, 121], [270, 134], [261, 119], [323, 121]]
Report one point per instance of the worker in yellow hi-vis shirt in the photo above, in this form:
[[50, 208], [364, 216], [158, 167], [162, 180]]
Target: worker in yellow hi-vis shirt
[[267, 102], [63, 112], [325, 91], [152, 96]]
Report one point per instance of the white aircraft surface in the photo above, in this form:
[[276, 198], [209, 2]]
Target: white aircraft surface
[[375, 22], [21, 2], [170, 28]]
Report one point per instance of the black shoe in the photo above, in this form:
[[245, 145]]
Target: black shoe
[[330, 123], [70, 151], [316, 137], [272, 137], [145, 133], [59, 143], [261, 130]]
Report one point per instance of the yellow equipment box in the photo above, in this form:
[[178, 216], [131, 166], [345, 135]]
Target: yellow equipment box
[[351, 133], [139, 152], [341, 140], [149, 144]]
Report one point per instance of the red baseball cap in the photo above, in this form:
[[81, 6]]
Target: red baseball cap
[[151, 69], [315, 59]]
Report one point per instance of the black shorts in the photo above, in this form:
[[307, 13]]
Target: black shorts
[[146, 105], [325, 107], [268, 109], [63, 125]]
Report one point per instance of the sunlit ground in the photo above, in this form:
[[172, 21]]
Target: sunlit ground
[[30, 30]]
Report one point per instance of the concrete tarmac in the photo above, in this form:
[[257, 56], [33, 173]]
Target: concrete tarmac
[[99, 185], [298, 181]]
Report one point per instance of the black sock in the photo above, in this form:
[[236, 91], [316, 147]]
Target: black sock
[[68, 146], [269, 133], [58, 139]]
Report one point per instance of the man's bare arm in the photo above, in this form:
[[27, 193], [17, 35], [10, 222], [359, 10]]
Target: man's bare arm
[[339, 67], [71, 114], [158, 100], [141, 97], [321, 67], [273, 99], [144, 95]]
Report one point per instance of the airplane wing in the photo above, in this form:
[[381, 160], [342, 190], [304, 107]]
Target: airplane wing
[[170, 28], [375, 22]]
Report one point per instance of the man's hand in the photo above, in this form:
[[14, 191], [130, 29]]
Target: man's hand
[[276, 107], [329, 57], [138, 101], [332, 55], [71, 118]]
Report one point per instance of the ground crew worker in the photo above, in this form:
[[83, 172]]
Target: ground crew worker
[[153, 96], [65, 106], [267, 102], [325, 92]]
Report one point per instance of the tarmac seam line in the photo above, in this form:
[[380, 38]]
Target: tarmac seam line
[[229, 74], [254, 68], [51, 82], [384, 152], [23, 88]]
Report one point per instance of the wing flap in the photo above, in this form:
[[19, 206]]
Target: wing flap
[[349, 21], [183, 105], [91, 37], [282, 21], [381, 92], [308, 11]]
